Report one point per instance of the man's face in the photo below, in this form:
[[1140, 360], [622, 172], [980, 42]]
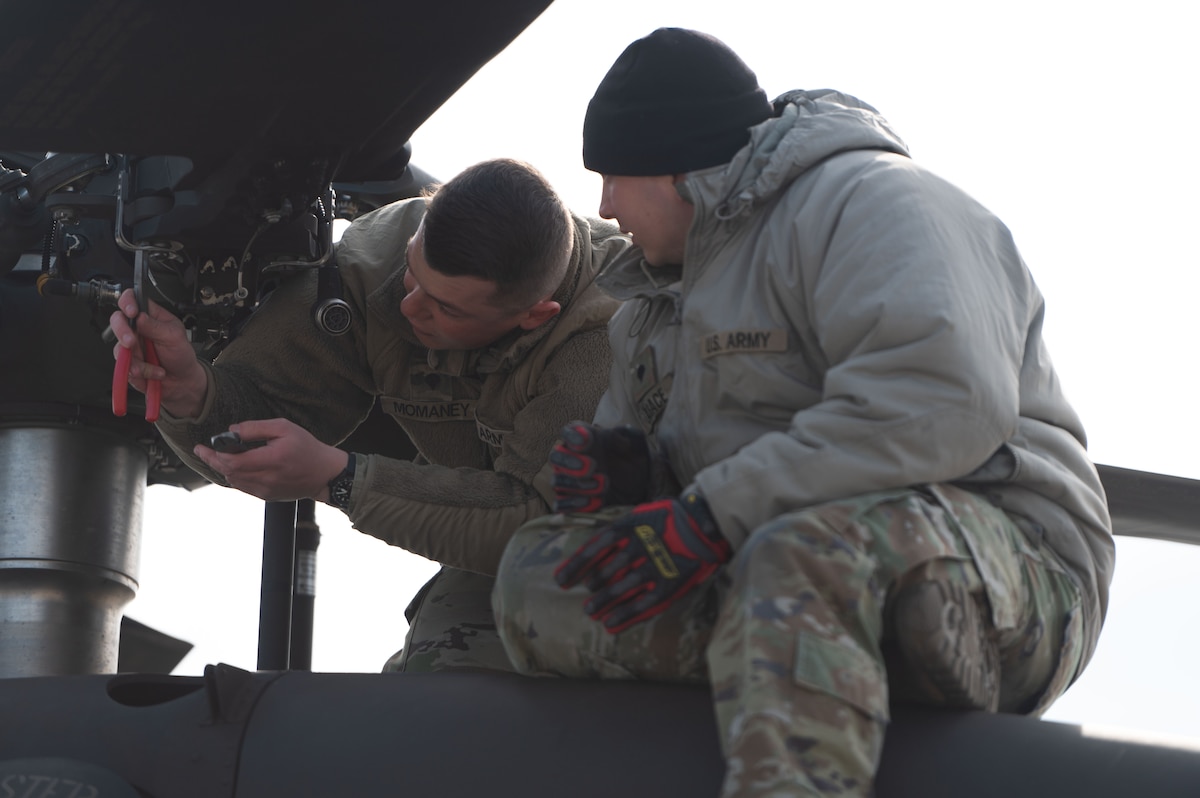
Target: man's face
[[451, 312], [652, 212]]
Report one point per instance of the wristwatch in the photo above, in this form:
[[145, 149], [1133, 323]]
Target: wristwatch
[[340, 486]]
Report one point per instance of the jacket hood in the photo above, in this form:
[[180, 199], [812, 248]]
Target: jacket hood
[[809, 126]]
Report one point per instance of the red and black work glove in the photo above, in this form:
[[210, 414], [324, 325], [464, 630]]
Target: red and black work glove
[[641, 563], [597, 466]]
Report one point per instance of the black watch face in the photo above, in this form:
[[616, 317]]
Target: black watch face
[[339, 494], [341, 485]]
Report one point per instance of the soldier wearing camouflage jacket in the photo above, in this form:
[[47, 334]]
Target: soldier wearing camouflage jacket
[[482, 419]]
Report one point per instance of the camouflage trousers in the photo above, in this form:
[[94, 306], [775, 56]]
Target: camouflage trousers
[[794, 634], [451, 627]]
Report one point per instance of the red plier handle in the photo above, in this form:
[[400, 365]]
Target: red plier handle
[[120, 386]]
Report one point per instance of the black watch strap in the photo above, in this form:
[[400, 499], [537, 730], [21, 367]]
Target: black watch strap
[[341, 485]]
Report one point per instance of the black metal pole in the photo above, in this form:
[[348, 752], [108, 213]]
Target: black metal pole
[[278, 567], [304, 589]]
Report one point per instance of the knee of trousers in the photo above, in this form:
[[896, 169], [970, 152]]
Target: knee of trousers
[[535, 617], [866, 544], [545, 630], [805, 609], [800, 625], [795, 554], [451, 627]]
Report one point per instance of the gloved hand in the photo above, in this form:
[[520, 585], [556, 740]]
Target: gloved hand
[[642, 562], [596, 466]]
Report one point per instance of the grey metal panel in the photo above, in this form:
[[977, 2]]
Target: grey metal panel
[[1148, 505], [263, 735], [935, 754], [144, 649], [348, 80]]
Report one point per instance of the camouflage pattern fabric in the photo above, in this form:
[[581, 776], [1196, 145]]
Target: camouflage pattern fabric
[[798, 654], [451, 627], [547, 633]]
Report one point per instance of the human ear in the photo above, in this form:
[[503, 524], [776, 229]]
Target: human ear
[[539, 314]]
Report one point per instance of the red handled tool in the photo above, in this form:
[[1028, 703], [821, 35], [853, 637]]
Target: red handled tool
[[120, 386]]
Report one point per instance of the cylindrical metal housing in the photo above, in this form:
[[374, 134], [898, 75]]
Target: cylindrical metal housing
[[70, 529]]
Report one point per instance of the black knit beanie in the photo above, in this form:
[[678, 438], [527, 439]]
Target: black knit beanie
[[675, 101]]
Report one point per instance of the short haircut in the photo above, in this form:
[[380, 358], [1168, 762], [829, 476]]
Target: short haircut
[[500, 220]]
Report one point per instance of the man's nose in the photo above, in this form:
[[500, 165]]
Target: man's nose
[[414, 306], [606, 205]]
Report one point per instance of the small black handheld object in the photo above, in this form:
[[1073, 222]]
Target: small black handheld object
[[232, 443]]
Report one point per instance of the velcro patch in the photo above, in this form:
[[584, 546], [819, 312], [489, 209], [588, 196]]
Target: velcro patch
[[650, 404], [730, 341], [490, 436], [410, 410]]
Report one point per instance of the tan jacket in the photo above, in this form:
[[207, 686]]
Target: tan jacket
[[483, 421]]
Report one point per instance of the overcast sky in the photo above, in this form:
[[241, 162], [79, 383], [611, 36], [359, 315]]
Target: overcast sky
[[1059, 116]]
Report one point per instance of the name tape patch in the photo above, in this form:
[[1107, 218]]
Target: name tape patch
[[723, 343], [490, 436], [454, 410]]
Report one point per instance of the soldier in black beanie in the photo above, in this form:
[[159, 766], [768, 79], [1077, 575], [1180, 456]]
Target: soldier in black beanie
[[674, 102], [880, 492]]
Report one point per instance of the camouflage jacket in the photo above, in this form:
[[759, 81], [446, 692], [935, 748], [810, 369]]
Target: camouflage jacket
[[847, 322], [483, 421]]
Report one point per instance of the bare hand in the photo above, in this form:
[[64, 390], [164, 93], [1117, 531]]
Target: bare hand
[[184, 380], [293, 464]]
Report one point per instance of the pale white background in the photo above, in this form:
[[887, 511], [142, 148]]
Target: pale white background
[[1074, 121]]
